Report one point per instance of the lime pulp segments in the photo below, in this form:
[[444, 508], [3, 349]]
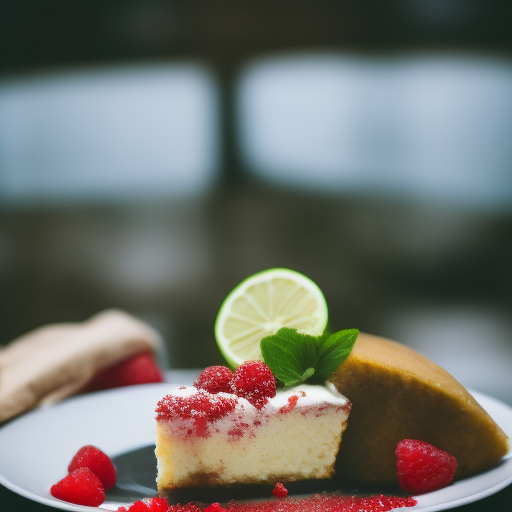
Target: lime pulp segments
[[263, 303]]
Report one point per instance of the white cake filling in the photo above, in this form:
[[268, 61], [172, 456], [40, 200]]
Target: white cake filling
[[296, 435]]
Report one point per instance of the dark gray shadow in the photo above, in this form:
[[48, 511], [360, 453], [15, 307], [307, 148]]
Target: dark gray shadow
[[136, 479], [136, 475]]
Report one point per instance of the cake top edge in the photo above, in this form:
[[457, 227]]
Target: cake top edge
[[307, 395]]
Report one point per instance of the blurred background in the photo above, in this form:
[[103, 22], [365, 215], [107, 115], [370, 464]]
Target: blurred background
[[153, 154]]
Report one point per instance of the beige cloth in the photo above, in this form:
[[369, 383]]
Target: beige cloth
[[56, 361]]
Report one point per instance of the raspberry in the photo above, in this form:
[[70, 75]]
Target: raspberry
[[214, 507], [98, 462], [158, 505], [280, 491], [139, 506], [138, 369], [215, 379], [254, 381], [421, 467], [81, 487]]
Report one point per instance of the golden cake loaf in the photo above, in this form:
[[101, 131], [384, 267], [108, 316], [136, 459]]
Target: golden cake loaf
[[396, 394]]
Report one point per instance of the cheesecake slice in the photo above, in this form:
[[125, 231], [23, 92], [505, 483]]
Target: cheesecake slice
[[396, 393], [210, 439]]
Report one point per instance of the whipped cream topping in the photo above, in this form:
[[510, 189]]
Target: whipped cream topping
[[307, 396]]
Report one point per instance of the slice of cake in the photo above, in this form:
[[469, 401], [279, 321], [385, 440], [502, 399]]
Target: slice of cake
[[205, 438], [396, 393]]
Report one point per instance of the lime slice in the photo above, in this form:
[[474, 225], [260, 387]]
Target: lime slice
[[263, 303]]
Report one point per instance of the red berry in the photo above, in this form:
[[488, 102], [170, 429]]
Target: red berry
[[98, 462], [158, 505], [138, 369], [215, 379], [280, 491], [214, 507], [139, 506], [82, 487], [254, 381], [421, 467]]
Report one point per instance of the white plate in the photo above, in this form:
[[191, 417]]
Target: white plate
[[36, 448]]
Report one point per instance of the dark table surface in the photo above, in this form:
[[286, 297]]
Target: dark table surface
[[10, 501]]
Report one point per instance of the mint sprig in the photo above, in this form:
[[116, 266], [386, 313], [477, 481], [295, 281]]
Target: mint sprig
[[295, 358]]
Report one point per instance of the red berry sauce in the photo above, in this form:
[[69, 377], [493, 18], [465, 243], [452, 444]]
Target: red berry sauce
[[316, 503], [326, 503], [292, 402]]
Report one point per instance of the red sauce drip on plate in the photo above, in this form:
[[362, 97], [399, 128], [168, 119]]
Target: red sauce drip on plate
[[315, 503]]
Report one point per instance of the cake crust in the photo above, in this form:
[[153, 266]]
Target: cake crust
[[397, 393]]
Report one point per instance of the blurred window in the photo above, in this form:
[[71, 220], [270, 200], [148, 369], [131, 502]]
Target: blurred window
[[118, 133], [426, 127]]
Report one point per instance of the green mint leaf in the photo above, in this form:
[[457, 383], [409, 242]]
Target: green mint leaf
[[291, 383], [308, 373], [295, 358], [333, 352], [305, 376], [289, 354], [281, 359]]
